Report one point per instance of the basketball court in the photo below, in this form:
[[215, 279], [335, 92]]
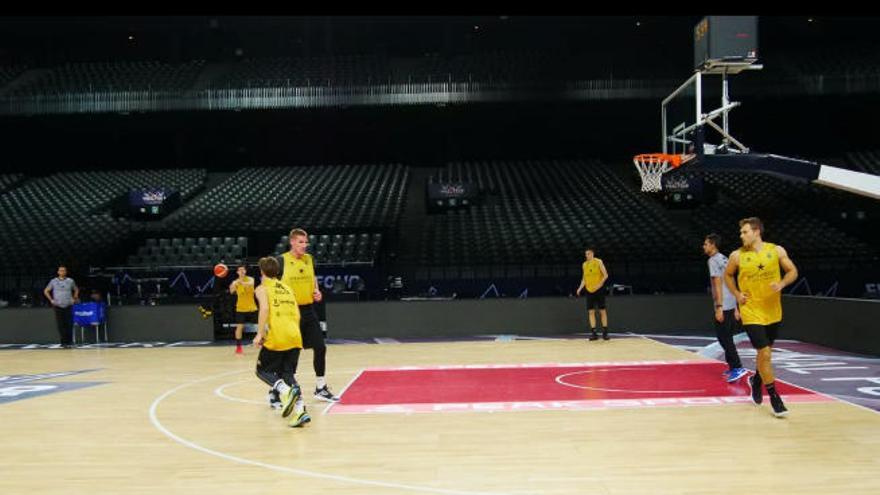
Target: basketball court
[[631, 415]]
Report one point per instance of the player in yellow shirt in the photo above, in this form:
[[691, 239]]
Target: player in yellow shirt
[[245, 305], [280, 341], [758, 290], [594, 278], [298, 272]]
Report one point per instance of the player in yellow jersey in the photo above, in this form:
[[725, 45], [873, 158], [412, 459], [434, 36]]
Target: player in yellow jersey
[[245, 305], [298, 272], [278, 335], [758, 290], [594, 278]]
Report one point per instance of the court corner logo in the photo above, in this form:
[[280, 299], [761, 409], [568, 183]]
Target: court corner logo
[[18, 387]]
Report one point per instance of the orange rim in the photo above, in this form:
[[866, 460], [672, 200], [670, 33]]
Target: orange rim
[[673, 160]]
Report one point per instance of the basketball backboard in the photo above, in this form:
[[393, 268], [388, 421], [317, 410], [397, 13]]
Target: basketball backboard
[[695, 123]]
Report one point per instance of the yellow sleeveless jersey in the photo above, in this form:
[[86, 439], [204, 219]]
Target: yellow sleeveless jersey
[[757, 270], [592, 274], [299, 275], [283, 333], [244, 292]]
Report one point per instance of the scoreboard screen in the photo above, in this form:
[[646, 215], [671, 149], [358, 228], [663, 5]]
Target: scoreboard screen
[[728, 38]]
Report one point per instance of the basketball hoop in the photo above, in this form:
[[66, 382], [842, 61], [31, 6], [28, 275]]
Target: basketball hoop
[[652, 166]]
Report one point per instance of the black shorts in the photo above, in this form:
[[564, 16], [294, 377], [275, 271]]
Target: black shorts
[[763, 335], [281, 362], [596, 299], [310, 328], [248, 317]]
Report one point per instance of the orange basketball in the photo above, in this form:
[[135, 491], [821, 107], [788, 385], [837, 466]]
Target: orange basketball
[[220, 270]]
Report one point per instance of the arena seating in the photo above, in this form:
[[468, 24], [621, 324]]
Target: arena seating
[[113, 76], [66, 215], [548, 212], [499, 66], [328, 249], [9, 73], [330, 71], [338, 248], [330, 198], [782, 207], [854, 60], [9, 180], [190, 251], [865, 161], [533, 218]]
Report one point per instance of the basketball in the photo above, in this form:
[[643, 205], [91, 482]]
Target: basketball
[[220, 270]]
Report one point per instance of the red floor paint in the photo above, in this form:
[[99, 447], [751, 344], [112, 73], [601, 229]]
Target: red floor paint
[[549, 386]]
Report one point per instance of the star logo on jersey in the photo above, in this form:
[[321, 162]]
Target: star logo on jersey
[[760, 266]]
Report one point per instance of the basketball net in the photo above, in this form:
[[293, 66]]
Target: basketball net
[[652, 166]]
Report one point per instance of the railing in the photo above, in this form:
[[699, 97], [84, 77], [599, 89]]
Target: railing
[[427, 93], [279, 97], [209, 266], [324, 94]]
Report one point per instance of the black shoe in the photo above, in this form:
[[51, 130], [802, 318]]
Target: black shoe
[[274, 399], [594, 336], [755, 389], [605, 335], [779, 409], [325, 394]]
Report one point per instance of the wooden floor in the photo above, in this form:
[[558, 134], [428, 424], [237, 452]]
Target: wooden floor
[[158, 426]]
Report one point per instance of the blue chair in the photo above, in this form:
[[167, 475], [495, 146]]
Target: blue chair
[[91, 314]]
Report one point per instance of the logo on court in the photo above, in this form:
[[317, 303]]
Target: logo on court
[[18, 387]]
